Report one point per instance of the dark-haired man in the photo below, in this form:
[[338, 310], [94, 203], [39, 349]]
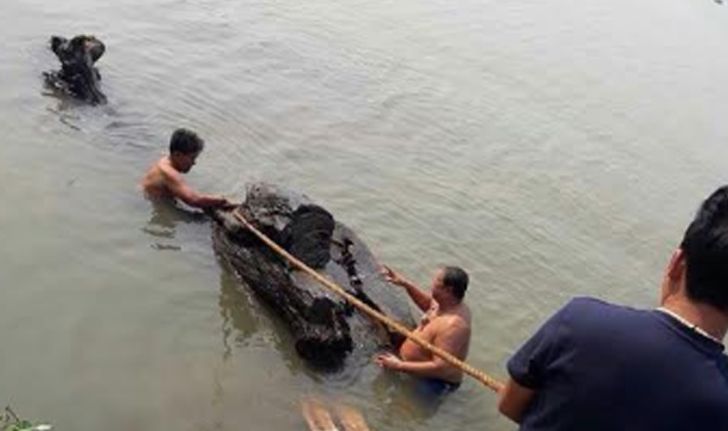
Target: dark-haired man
[[446, 324], [597, 366], [164, 179]]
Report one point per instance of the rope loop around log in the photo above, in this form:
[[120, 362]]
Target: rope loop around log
[[482, 377]]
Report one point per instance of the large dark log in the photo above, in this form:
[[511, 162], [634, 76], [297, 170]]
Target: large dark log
[[78, 77], [325, 328]]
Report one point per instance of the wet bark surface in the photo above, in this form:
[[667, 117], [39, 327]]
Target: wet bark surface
[[327, 331], [78, 77]]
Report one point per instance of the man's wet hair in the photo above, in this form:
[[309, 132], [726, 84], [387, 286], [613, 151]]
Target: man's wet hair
[[455, 279], [186, 142], [705, 245]]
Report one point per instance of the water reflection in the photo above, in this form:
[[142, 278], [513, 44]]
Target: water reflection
[[402, 401], [244, 316], [66, 118], [166, 215], [239, 322]]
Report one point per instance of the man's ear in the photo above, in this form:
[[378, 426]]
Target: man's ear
[[676, 267]]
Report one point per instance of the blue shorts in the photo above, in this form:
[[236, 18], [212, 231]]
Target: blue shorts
[[433, 388]]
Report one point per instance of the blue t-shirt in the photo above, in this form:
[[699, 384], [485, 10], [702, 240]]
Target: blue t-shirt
[[597, 366]]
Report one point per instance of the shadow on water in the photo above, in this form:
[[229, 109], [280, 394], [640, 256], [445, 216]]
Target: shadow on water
[[80, 116]]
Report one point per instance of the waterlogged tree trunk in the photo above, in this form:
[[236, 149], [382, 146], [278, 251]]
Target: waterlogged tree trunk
[[78, 77], [325, 328]]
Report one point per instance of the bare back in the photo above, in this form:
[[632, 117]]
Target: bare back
[[155, 181]]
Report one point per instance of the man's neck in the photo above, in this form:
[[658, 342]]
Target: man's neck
[[703, 316], [447, 307], [172, 163]]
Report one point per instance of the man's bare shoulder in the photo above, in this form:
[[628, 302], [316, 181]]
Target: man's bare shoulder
[[452, 322], [157, 179], [453, 325], [465, 315], [167, 170]]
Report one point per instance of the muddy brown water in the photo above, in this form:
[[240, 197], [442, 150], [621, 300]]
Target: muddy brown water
[[551, 149]]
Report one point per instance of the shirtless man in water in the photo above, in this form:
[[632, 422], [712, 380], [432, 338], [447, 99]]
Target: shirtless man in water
[[164, 179], [446, 324]]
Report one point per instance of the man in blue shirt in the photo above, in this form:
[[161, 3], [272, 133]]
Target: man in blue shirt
[[596, 366]]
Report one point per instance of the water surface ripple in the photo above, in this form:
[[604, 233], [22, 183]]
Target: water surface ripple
[[551, 149]]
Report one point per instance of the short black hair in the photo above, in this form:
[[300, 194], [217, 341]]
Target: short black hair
[[186, 142], [455, 279], [705, 245]]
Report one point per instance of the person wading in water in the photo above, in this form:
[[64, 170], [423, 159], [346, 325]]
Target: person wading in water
[[602, 367], [445, 324], [164, 179]]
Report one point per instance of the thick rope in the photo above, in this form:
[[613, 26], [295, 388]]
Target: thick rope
[[488, 381]]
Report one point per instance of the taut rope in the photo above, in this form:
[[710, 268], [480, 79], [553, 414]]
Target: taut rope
[[488, 381]]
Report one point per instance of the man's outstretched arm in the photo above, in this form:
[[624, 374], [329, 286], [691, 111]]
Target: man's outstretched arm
[[420, 298], [180, 190]]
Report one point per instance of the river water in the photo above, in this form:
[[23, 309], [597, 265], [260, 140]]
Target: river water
[[552, 149]]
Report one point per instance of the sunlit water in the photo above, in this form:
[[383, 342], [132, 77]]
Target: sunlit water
[[552, 149]]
